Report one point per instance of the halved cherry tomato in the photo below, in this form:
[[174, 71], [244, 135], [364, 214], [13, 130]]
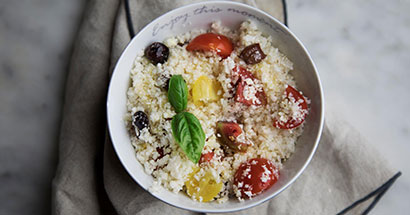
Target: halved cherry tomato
[[211, 42], [241, 74], [292, 122], [206, 157], [228, 133], [255, 176], [240, 98], [202, 187], [229, 129]]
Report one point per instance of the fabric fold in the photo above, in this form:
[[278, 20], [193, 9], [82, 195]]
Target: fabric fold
[[75, 186]]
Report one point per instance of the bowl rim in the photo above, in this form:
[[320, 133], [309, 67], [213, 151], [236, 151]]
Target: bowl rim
[[321, 115]]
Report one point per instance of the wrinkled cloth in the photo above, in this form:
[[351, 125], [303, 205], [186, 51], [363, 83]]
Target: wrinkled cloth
[[91, 180]]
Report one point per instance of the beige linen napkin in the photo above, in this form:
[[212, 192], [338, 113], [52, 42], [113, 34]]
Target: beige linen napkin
[[91, 180]]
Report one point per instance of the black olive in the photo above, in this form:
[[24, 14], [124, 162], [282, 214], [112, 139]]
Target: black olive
[[157, 53], [139, 121], [252, 54]]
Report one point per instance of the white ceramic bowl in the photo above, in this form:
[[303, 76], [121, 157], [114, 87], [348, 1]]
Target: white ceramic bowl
[[231, 14]]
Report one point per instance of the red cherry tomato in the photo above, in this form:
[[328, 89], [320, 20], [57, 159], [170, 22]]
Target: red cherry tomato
[[255, 176], [230, 128], [292, 122], [206, 157], [241, 74], [239, 97], [211, 42]]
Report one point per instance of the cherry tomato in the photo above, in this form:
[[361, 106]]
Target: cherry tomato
[[229, 129], [228, 133], [241, 74], [292, 122], [252, 54], [240, 98], [206, 157], [255, 176], [202, 187], [211, 42]]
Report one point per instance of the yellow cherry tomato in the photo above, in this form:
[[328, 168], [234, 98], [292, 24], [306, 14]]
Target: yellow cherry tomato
[[202, 188], [205, 90]]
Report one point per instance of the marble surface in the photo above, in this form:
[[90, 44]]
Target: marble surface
[[360, 47], [35, 40], [362, 51]]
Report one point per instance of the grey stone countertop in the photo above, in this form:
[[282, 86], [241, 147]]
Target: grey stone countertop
[[361, 49]]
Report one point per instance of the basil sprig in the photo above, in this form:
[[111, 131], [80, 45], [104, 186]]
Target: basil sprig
[[188, 133], [178, 93], [186, 128]]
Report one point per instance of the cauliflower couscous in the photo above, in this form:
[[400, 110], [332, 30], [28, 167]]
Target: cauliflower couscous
[[238, 89]]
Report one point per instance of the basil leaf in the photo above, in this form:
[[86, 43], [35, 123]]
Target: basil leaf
[[188, 133], [178, 93]]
